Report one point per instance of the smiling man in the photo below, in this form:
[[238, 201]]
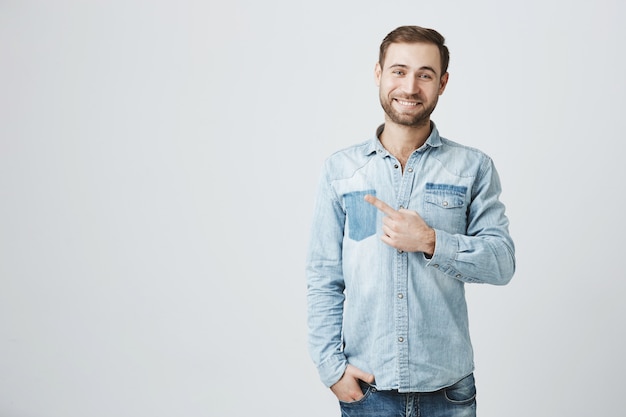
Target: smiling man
[[401, 223]]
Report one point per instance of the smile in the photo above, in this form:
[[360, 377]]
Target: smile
[[406, 103]]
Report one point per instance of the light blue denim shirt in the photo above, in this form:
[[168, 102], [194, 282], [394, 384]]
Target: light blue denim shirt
[[401, 316]]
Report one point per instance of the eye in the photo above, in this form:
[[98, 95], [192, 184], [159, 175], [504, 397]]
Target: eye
[[425, 76], [397, 72]]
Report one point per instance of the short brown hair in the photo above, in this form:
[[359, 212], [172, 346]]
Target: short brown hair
[[416, 34]]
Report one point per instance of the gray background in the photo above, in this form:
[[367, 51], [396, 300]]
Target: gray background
[[158, 161]]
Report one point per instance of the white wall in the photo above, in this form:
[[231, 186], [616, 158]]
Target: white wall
[[157, 167]]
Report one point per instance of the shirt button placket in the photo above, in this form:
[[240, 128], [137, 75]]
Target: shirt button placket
[[402, 316], [401, 278], [400, 251]]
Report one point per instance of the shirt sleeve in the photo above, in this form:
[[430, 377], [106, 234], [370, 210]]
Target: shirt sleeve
[[325, 285], [486, 253]]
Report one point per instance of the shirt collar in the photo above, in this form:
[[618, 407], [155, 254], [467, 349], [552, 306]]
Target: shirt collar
[[374, 146]]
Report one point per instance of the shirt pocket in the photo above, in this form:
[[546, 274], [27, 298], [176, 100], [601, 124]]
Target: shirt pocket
[[361, 215], [445, 208]]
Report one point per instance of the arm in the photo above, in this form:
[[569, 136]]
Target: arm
[[325, 286], [486, 253]]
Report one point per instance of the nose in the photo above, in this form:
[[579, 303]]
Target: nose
[[411, 85]]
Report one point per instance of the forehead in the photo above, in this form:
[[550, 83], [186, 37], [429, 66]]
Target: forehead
[[413, 55]]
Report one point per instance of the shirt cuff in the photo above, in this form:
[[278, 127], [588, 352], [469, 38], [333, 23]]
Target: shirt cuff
[[332, 369], [445, 256], [446, 248]]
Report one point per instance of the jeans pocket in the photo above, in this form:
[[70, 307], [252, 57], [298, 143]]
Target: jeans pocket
[[361, 215], [463, 392], [367, 391]]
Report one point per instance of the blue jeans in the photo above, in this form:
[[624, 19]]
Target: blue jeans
[[458, 400]]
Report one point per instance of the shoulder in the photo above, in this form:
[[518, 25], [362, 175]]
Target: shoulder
[[453, 149], [344, 162], [461, 159], [448, 145]]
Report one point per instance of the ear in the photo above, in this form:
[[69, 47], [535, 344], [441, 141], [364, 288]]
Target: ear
[[377, 73], [443, 81]]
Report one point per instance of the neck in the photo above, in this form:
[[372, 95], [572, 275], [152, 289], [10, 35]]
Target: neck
[[401, 140]]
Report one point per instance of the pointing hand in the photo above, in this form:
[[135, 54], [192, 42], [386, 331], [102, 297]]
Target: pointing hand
[[404, 229]]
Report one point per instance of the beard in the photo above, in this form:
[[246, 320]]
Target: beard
[[413, 119]]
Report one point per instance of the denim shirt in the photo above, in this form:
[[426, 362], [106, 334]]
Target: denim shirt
[[402, 316]]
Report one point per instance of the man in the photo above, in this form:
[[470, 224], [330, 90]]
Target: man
[[401, 223]]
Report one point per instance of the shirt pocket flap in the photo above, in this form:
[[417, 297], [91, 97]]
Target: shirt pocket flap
[[444, 199]]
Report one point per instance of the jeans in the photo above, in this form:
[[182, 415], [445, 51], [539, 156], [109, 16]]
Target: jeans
[[458, 400]]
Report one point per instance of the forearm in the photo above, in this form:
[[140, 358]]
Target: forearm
[[325, 317], [475, 259]]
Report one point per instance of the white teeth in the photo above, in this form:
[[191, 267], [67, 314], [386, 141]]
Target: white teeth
[[407, 103]]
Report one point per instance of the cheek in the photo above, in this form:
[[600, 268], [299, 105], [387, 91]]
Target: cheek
[[434, 92], [388, 86], [383, 89]]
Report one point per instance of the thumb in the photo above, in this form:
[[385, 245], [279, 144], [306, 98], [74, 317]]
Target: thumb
[[364, 376]]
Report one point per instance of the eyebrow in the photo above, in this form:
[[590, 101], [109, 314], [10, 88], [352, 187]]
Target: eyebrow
[[423, 68]]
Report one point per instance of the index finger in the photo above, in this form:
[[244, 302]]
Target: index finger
[[380, 205]]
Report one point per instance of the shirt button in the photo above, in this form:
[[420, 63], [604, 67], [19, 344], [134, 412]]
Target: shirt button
[[400, 251], [401, 207], [401, 339], [396, 166], [410, 170], [400, 296], [445, 204], [436, 266], [458, 276]]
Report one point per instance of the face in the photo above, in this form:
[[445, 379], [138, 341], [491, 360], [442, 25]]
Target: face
[[410, 83]]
